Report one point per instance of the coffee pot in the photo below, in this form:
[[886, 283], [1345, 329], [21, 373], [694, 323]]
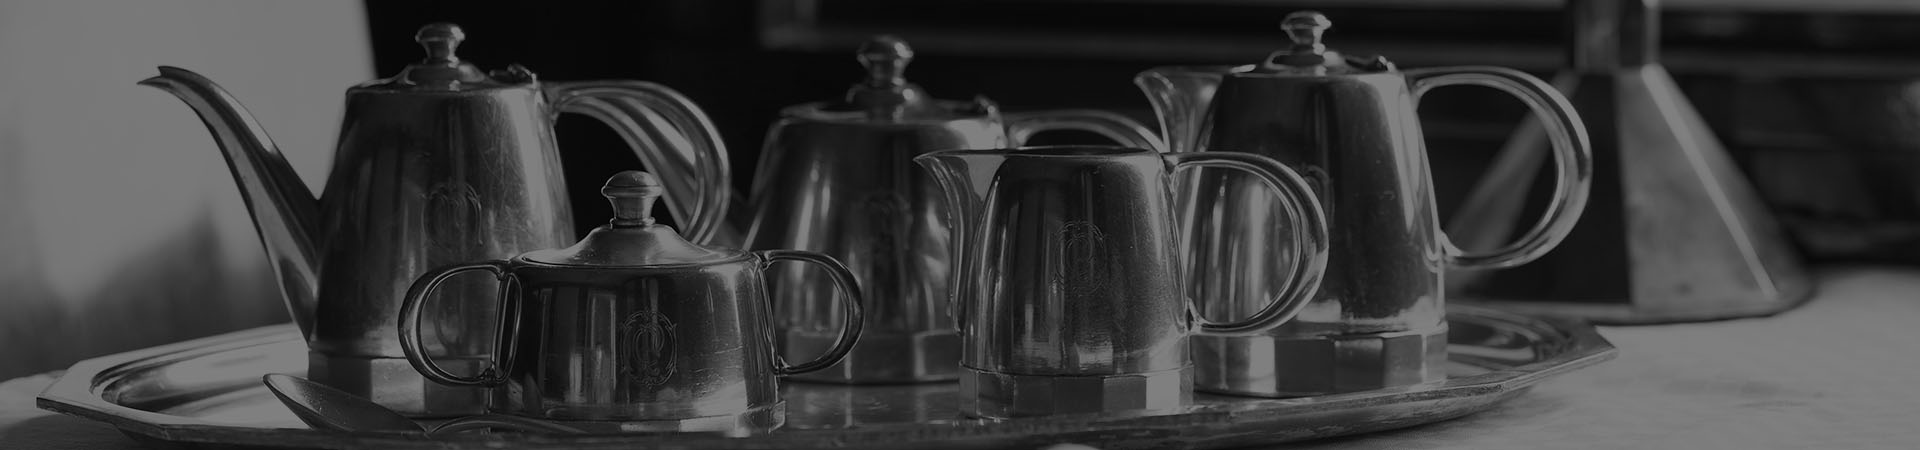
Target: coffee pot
[[1068, 290], [846, 187], [439, 164], [634, 328], [1348, 124]]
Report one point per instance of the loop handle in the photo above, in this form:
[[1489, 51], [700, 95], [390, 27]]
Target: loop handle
[[1298, 200], [851, 310]]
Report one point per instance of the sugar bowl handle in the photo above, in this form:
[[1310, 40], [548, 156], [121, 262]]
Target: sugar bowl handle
[[1574, 160], [851, 309], [1309, 235], [417, 294]]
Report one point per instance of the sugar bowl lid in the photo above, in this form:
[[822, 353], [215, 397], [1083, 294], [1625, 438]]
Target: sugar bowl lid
[[631, 239], [1309, 56]]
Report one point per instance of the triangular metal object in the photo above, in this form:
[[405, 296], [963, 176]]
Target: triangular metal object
[[1672, 231]]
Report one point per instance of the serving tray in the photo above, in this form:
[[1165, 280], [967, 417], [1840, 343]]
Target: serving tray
[[207, 393]]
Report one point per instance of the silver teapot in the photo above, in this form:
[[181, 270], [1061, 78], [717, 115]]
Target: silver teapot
[[838, 179], [1348, 123], [439, 164], [1068, 290], [634, 328]]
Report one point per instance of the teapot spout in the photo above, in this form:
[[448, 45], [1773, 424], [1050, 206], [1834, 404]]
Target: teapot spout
[[1181, 96], [285, 213]]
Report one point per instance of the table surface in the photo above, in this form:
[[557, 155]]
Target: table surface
[[1841, 372]]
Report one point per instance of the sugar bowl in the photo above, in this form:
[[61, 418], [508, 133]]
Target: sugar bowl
[[634, 328]]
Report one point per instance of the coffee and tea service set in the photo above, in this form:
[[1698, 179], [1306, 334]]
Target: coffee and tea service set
[[1275, 238]]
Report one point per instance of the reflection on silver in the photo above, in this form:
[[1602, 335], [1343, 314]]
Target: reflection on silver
[[1068, 290], [439, 164], [207, 394], [1348, 124], [634, 328], [837, 178]]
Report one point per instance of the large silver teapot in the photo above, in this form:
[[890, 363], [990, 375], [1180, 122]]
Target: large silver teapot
[[1349, 125], [838, 178], [439, 164]]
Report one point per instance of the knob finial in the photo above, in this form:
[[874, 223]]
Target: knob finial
[[886, 58], [441, 39], [1306, 29], [633, 193]]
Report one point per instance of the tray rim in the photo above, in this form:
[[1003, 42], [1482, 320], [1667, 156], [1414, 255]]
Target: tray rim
[[1576, 344]]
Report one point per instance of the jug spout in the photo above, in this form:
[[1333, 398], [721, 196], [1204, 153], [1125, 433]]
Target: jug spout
[[285, 213], [964, 175], [1180, 96]]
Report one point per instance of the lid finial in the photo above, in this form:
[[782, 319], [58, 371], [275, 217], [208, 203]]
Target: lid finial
[[632, 193], [886, 58], [440, 40], [1306, 29]]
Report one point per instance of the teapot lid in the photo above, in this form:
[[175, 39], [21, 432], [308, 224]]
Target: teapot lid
[[443, 70], [886, 95], [1308, 56], [632, 238]]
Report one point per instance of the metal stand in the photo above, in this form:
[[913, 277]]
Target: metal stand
[[1672, 232]]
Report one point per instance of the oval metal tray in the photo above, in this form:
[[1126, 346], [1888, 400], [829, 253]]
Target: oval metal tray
[[206, 393]]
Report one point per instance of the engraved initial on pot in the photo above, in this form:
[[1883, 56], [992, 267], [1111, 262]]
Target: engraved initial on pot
[[1082, 259], [648, 344]]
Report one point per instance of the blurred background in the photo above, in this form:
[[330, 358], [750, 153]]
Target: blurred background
[[120, 227]]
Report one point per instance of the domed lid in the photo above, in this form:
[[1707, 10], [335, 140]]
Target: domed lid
[[886, 96], [631, 239], [1310, 57], [442, 70]]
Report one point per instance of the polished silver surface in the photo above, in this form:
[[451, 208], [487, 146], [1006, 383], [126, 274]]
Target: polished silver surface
[[325, 408], [634, 327], [439, 164], [1069, 268], [838, 178], [1675, 232], [1348, 124], [206, 394]]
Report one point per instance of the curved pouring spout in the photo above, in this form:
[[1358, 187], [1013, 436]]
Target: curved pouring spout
[[285, 213], [965, 177]]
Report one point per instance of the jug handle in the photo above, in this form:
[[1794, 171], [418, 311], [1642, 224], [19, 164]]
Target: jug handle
[[1023, 125], [1299, 201], [671, 136], [1574, 168], [410, 312], [851, 309]]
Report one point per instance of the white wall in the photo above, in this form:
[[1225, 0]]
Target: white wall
[[120, 227]]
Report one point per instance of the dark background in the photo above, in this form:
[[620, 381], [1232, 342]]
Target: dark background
[[1809, 97]]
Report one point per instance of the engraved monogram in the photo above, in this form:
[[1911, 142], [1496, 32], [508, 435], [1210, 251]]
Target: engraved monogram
[[1083, 256], [647, 341]]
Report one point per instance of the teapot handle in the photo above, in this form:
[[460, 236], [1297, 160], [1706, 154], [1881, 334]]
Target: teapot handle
[[851, 310], [1570, 150], [410, 312], [1299, 201], [671, 135], [1119, 128]]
